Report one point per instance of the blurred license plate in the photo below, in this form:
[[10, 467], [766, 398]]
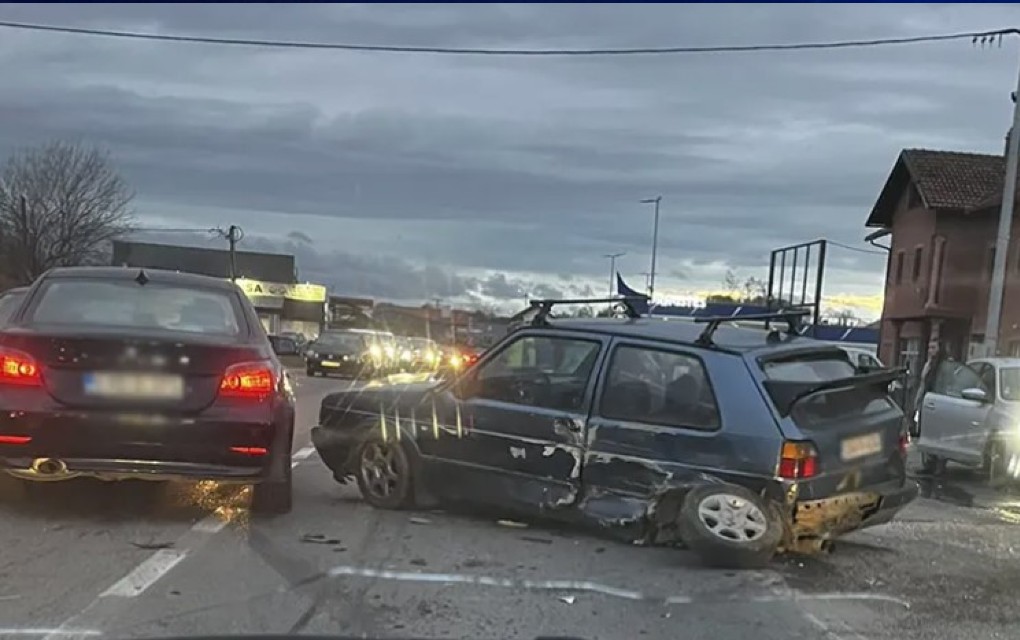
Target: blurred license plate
[[152, 386], [861, 446], [327, 363]]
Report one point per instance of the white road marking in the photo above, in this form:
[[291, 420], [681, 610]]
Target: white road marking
[[303, 453], [142, 577], [596, 587], [48, 632]]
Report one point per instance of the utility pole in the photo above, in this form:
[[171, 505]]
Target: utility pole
[[655, 243], [233, 235], [612, 268], [997, 287]]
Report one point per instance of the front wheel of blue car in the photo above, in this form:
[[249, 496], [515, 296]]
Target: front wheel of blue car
[[384, 474], [729, 527]]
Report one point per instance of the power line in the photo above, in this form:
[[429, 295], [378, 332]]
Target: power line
[[984, 37], [858, 249]]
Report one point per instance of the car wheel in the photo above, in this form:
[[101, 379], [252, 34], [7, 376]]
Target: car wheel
[[932, 465], [310, 372], [729, 527], [274, 497], [384, 474]]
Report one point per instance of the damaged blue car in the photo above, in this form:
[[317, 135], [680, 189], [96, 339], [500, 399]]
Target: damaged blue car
[[734, 442]]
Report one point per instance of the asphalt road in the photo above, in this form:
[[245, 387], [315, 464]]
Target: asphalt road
[[87, 559]]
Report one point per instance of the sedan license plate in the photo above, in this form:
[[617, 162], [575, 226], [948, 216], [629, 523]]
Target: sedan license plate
[[147, 386], [861, 446], [327, 363]]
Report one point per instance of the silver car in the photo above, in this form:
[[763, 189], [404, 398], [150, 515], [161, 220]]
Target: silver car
[[972, 417]]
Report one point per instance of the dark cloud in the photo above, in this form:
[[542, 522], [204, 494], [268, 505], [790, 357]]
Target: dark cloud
[[384, 164]]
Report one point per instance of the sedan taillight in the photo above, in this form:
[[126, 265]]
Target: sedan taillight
[[19, 368], [248, 380]]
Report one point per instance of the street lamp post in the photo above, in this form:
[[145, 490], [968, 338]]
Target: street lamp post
[[655, 242], [612, 268]]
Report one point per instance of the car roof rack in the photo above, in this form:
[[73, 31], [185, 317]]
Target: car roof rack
[[792, 318], [542, 308]]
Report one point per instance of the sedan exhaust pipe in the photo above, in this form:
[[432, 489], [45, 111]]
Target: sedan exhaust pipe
[[49, 467]]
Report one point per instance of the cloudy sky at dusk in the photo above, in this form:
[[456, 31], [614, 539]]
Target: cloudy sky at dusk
[[416, 176]]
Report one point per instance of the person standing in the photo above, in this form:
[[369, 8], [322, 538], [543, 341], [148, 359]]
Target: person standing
[[936, 355]]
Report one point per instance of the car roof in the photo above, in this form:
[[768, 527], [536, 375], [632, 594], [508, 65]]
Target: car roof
[[161, 276], [726, 337]]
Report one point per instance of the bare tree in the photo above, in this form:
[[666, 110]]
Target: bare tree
[[60, 205], [846, 318]]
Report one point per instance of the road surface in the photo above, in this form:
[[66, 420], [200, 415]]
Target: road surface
[[91, 560]]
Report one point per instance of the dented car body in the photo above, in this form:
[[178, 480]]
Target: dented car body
[[614, 422]]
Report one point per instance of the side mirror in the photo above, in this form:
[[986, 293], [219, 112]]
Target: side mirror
[[975, 394]]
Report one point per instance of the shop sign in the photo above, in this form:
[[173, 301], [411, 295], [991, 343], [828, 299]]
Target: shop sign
[[304, 292]]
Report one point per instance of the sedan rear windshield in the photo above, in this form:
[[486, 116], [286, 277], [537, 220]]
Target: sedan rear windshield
[[117, 303]]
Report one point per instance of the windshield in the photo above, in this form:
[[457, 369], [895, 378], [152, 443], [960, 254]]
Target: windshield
[[1009, 383], [121, 303], [487, 303], [352, 341]]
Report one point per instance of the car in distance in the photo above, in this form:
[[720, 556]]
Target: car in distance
[[351, 352], [736, 442], [114, 373]]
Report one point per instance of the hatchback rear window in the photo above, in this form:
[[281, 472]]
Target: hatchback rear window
[[834, 405], [116, 303]]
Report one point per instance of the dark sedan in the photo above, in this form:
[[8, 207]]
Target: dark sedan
[[340, 353], [119, 373]]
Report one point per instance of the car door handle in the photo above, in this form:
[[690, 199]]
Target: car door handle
[[567, 423]]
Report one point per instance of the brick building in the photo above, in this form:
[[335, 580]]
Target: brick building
[[940, 209]]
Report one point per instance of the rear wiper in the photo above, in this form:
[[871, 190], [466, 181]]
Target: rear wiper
[[785, 393]]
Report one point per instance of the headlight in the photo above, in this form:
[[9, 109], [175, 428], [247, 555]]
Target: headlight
[[456, 361], [375, 351], [391, 352], [311, 354], [405, 355]]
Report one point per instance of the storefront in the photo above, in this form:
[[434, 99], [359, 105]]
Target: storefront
[[298, 308]]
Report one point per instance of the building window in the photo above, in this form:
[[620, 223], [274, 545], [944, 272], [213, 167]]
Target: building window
[[939, 268], [918, 258], [899, 267]]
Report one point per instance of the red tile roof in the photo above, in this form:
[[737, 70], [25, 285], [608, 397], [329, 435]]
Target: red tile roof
[[951, 179], [944, 180]]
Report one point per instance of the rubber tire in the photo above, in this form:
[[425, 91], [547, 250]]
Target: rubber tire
[[403, 497], [274, 497], [717, 552], [310, 372], [932, 465]]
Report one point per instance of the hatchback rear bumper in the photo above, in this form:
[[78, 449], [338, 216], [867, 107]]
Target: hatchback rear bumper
[[826, 518]]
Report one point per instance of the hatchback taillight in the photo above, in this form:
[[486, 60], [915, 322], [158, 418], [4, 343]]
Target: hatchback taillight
[[19, 368], [798, 460], [248, 380]]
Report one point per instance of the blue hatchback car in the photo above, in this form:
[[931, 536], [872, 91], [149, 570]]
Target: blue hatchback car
[[735, 442]]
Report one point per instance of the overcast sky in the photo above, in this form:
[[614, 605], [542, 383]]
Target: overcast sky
[[517, 175]]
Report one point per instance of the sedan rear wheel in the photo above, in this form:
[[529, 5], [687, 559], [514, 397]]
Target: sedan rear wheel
[[996, 461], [384, 474], [274, 497]]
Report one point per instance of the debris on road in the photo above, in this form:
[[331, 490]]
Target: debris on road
[[419, 521], [537, 539], [419, 562], [318, 538], [513, 524], [568, 599], [153, 546]]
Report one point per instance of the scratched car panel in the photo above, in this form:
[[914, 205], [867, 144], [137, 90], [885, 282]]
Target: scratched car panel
[[736, 442]]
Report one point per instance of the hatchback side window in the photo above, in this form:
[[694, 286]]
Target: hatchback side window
[[541, 371], [658, 387], [953, 377]]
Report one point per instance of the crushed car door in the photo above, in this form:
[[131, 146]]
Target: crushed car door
[[523, 411]]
